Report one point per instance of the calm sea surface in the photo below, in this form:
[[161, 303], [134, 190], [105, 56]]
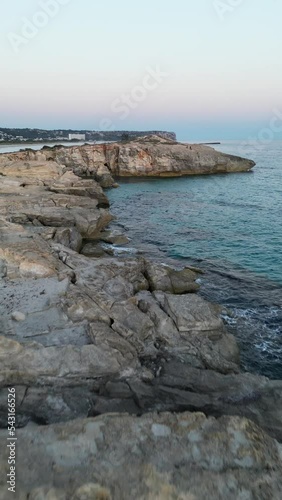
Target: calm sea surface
[[230, 226], [14, 148]]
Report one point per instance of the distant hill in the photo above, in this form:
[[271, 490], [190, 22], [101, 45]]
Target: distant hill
[[38, 135]]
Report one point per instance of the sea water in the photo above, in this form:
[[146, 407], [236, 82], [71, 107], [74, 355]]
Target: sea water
[[230, 225]]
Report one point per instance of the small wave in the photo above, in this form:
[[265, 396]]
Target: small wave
[[123, 250], [229, 320]]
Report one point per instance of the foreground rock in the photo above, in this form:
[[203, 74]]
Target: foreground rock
[[156, 457], [147, 156]]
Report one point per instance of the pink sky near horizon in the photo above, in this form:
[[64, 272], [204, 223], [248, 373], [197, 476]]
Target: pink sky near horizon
[[218, 71]]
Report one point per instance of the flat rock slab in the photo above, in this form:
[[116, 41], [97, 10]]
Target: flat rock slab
[[192, 313], [16, 294], [40, 364]]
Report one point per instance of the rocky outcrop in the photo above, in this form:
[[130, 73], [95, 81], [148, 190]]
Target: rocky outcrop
[[82, 337], [153, 156], [156, 457], [147, 156]]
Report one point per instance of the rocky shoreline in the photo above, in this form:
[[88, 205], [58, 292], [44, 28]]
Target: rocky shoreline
[[112, 359], [146, 156]]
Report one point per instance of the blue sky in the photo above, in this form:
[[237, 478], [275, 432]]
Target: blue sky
[[207, 69]]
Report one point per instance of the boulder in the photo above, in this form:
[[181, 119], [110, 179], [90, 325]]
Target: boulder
[[164, 278], [93, 250], [114, 237], [192, 313]]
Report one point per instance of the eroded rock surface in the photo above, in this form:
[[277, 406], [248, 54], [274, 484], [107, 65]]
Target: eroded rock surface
[[146, 156], [157, 457], [93, 325]]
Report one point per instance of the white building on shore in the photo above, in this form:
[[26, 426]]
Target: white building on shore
[[77, 137]]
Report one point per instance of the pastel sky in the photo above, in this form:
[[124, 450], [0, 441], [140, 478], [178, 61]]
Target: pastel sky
[[206, 69]]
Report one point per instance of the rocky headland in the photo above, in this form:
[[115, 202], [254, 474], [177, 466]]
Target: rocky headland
[[146, 156], [127, 383]]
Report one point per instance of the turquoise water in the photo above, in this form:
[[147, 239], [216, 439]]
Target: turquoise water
[[235, 218], [231, 225]]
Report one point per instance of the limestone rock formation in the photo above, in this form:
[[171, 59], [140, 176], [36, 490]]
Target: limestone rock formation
[[84, 334], [154, 156], [146, 156]]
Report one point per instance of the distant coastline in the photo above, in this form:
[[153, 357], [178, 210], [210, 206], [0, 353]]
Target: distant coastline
[[210, 143], [37, 136]]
